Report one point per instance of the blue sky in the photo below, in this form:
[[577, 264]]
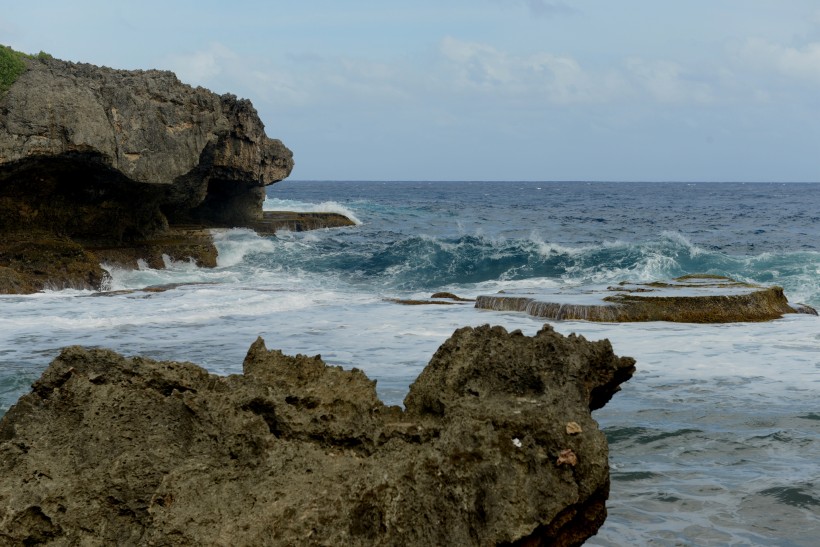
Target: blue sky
[[701, 90]]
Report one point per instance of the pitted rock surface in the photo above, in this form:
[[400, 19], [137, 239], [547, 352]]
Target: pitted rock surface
[[109, 449]]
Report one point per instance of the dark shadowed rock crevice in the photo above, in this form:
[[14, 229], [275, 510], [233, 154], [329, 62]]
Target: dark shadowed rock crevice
[[496, 445]]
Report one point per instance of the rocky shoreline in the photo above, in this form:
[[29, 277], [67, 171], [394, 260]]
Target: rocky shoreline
[[114, 166], [495, 445]]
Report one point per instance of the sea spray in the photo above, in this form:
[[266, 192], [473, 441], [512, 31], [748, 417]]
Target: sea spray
[[275, 204]]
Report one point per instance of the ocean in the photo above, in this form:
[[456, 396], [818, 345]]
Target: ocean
[[714, 441]]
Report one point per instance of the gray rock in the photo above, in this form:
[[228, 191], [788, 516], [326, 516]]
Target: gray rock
[[126, 160], [496, 445], [192, 152]]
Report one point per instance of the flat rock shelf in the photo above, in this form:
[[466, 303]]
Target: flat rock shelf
[[688, 299]]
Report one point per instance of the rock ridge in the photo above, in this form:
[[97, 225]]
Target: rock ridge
[[495, 445]]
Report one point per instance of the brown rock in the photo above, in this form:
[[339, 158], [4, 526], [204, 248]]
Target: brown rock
[[573, 428], [273, 221], [108, 449], [688, 299], [567, 457], [37, 260]]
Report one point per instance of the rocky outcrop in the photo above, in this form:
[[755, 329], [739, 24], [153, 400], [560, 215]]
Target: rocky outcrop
[[113, 158], [495, 445], [687, 299]]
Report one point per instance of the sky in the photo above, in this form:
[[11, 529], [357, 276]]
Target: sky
[[633, 90]]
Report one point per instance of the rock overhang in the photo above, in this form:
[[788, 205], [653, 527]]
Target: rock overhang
[[127, 164], [139, 128]]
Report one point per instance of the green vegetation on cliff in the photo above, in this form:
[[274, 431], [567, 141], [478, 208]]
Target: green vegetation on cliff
[[13, 63]]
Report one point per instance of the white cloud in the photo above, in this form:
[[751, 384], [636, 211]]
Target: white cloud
[[800, 63], [464, 70], [668, 82], [201, 67], [555, 78], [220, 68]]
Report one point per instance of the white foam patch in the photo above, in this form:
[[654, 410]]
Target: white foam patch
[[275, 204], [682, 240], [547, 249], [235, 244]]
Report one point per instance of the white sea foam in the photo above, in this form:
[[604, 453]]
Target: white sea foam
[[682, 240], [235, 244], [276, 204]]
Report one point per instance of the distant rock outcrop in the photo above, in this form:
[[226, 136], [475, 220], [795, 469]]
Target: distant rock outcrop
[[496, 445], [687, 299], [115, 159]]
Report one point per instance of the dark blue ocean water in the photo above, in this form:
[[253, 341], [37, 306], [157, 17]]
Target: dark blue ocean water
[[714, 441], [423, 235]]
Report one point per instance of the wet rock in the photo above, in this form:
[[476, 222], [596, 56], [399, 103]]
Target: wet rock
[[451, 296], [273, 221], [36, 260], [108, 449], [437, 299], [687, 299]]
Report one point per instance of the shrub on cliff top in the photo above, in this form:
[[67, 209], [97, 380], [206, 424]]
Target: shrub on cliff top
[[12, 64]]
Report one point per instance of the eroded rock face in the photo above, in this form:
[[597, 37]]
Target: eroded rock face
[[112, 157], [496, 445], [89, 134]]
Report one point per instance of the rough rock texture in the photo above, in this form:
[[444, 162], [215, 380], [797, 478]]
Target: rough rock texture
[[496, 445], [176, 150], [35, 260], [687, 299], [117, 158]]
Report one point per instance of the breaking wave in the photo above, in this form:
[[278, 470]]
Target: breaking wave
[[275, 204], [418, 262]]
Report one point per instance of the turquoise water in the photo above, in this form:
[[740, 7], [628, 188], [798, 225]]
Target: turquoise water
[[715, 441]]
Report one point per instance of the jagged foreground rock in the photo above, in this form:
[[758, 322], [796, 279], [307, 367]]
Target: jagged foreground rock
[[694, 298], [496, 445]]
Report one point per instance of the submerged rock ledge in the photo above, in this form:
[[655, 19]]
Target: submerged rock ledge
[[687, 299], [496, 445]]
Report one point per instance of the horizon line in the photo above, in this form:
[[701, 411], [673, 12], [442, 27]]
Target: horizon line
[[581, 181]]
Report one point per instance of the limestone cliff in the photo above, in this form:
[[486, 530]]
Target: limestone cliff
[[108, 158], [496, 445]]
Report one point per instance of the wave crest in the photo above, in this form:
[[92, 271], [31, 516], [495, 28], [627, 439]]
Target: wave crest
[[276, 204]]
